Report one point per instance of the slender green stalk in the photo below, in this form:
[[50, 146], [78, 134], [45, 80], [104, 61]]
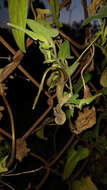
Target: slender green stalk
[[40, 88], [87, 49]]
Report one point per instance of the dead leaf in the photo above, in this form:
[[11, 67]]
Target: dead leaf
[[60, 116], [85, 120], [87, 93], [42, 12], [1, 115], [93, 7], [2, 108], [21, 149], [66, 3], [84, 184]]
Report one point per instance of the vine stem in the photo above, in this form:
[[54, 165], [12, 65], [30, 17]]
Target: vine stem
[[12, 128], [86, 49], [87, 64]]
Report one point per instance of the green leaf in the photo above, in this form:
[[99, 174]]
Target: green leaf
[[83, 184], [40, 134], [41, 29], [88, 100], [33, 35], [102, 13], [89, 19], [105, 32], [73, 157], [69, 114], [104, 91], [37, 35], [57, 6], [55, 12], [81, 102], [64, 51], [79, 84], [71, 69], [3, 167], [46, 23], [74, 99], [18, 14]]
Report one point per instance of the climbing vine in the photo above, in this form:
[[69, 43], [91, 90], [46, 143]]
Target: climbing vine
[[78, 101]]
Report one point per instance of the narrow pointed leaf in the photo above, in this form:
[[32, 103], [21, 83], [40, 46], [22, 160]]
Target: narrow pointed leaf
[[71, 69], [18, 14], [79, 84], [33, 35], [83, 184], [43, 30], [102, 13], [64, 51], [55, 12], [3, 167], [81, 102], [88, 20], [73, 159]]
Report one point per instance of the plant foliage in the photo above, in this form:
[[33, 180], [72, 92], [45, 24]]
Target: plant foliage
[[79, 101], [18, 15]]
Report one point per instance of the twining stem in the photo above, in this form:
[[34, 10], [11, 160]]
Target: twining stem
[[77, 63], [85, 66], [85, 50]]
